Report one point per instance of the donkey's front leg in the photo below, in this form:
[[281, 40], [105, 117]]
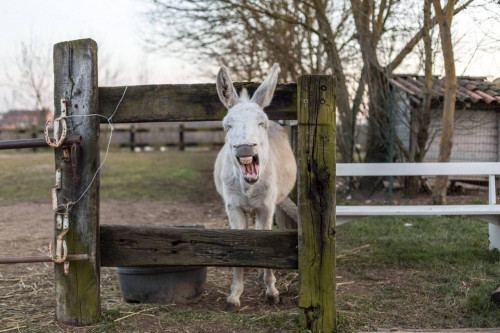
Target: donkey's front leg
[[237, 220], [264, 221]]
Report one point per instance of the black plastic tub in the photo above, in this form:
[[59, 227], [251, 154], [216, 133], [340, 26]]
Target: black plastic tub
[[162, 284]]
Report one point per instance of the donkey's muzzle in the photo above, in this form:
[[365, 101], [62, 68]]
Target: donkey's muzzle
[[248, 159], [245, 150]]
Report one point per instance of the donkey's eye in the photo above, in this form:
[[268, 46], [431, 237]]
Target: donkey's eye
[[227, 127], [263, 125]]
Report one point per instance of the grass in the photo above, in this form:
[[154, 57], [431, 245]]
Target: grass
[[194, 321], [408, 272], [124, 176], [26, 177], [157, 176], [436, 273]]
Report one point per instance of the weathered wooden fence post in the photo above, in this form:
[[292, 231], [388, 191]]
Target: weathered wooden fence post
[[181, 137], [75, 76], [316, 201], [132, 138]]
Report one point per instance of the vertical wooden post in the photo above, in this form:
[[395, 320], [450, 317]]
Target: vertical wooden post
[[75, 76], [132, 138], [181, 137], [316, 202]]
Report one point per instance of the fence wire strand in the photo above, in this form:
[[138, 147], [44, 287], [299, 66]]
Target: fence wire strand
[[70, 204]]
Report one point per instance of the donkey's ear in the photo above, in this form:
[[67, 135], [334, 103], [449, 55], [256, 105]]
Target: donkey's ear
[[225, 88], [264, 94]]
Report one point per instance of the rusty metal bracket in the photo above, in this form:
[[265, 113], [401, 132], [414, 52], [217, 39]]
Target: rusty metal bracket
[[66, 154], [61, 247], [58, 140], [62, 220], [33, 259], [58, 184], [55, 204], [59, 221]]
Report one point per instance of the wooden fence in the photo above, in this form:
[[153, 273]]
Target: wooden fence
[[311, 249], [181, 138], [181, 132]]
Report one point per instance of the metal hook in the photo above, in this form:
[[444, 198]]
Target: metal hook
[[58, 140]]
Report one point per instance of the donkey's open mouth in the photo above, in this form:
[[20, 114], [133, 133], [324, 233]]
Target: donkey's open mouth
[[250, 167]]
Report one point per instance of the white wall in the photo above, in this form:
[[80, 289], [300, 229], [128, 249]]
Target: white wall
[[475, 137]]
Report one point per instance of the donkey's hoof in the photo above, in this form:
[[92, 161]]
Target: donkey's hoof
[[232, 307], [273, 299]]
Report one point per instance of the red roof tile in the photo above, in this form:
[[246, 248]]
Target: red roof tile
[[470, 89]]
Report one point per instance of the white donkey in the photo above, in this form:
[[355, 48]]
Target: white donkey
[[255, 168]]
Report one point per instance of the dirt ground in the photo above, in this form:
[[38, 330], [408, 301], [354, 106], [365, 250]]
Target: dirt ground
[[27, 301], [27, 290]]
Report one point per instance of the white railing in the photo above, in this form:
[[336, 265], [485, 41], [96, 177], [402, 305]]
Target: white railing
[[489, 212]]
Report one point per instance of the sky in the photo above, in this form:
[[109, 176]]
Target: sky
[[118, 27]]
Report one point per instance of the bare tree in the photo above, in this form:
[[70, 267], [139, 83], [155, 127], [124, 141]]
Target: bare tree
[[444, 18], [30, 80], [303, 36], [306, 36], [420, 117]]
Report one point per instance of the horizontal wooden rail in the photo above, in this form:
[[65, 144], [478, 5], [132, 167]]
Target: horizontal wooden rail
[[203, 129], [417, 169], [150, 246], [185, 102]]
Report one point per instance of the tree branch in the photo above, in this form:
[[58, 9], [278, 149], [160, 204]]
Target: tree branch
[[416, 38]]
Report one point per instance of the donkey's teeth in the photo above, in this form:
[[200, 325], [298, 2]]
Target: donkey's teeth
[[246, 159]]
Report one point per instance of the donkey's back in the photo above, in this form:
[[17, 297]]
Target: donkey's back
[[282, 160]]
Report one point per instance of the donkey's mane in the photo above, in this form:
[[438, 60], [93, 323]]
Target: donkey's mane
[[244, 97]]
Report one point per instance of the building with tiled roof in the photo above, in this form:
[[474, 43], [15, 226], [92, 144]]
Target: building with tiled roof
[[477, 117], [472, 91]]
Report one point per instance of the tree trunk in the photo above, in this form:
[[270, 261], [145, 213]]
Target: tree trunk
[[450, 90], [421, 117], [369, 32], [378, 120], [335, 64]]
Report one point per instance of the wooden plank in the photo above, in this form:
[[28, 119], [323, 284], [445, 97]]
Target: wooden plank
[[203, 129], [151, 246], [75, 74], [417, 169], [316, 202], [184, 102], [418, 210]]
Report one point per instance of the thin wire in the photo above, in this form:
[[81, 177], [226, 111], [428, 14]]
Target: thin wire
[[72, 203]]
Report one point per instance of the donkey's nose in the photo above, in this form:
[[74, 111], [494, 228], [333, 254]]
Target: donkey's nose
[[251, 144], [245, 150]]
